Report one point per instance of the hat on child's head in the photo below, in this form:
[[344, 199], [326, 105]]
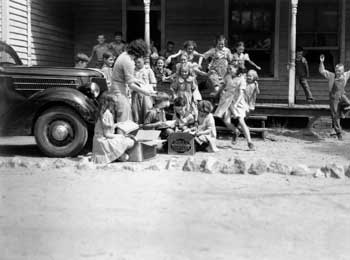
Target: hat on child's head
[[161, 96], [205, 106]]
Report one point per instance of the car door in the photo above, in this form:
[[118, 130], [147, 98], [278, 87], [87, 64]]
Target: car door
[[11, 102]]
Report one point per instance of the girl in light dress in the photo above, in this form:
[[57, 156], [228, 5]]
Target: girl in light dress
[[108, 146], [205, 133], [240, 57], [233, 103], [220, 58], [141, 104]]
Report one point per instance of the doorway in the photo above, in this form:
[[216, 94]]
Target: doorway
[[136, 26]]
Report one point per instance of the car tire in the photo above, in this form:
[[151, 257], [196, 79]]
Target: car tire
[[60, 132]]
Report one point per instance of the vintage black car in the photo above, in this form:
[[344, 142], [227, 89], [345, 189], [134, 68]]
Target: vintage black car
[[56, 105]]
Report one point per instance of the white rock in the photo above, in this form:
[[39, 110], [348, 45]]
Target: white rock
[[235, 166], [257, 168], [279, 168], [301, 170], [190, 165], [209, 165], [334, 171]]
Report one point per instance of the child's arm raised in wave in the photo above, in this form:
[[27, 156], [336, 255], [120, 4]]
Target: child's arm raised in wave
[[173, 56]]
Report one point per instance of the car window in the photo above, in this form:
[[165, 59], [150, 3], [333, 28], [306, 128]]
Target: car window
[[6, 57]]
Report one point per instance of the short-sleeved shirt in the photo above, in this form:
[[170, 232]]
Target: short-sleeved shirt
[[146, 76], [123, 73], [155, 115], [215, 54], [300, 67], [240, 59]]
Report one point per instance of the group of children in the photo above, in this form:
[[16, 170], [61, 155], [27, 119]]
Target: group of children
[[235, 87]]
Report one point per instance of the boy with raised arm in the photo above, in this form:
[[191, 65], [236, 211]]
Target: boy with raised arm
[[339, 103]]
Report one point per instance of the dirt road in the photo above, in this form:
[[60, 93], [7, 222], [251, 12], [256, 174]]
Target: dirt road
[[119, 214]]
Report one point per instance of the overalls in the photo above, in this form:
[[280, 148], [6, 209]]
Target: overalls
[[338, 100]]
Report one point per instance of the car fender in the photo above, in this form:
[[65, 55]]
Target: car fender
[[85, 106]]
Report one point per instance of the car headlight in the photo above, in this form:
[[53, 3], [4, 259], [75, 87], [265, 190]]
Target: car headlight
[[94, 89]]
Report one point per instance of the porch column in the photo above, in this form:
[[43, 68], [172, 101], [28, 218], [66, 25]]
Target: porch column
[[147, 4], [293, 32]]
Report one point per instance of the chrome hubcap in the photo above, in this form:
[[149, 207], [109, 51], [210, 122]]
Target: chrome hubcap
[[60, 130]]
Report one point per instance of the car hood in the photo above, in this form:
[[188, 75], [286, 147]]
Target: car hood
[[52, 71]]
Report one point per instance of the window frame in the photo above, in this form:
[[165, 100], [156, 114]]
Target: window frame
[[275, 39]]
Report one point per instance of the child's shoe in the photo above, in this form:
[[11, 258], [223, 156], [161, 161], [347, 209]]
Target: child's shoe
[[340, 137], [251, 147], [234, 138]]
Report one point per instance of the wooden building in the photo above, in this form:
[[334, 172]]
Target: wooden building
[[50, 32]]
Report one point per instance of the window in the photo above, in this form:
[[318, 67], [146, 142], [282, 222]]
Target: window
[[253, 21], [318, 32]]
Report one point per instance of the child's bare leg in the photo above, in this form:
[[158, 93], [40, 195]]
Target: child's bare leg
[[245, 129]]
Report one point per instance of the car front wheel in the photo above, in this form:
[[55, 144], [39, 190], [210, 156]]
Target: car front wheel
[[60, 132]]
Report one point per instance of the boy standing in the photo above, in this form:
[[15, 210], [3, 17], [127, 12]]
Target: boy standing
[[302, 73], [117, 46], [339, 103], [98, 50]]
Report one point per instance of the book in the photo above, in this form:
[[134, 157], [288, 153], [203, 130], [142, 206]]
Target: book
[[127, 126]]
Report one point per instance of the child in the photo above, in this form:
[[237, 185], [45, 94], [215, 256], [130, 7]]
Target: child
[[184, 119], [185, 85], [156, 119], [339, 103], [141, 104], [206, 131], [252, 89], [239, 57], [161, 73], [117, 46], [108, 146], [233, 104], [169, 49], [220, 58], [107, 68], [302, 73], [190, 49], [98, 50], [81, 61]]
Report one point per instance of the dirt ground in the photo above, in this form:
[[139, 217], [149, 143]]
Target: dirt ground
[[127, 211]]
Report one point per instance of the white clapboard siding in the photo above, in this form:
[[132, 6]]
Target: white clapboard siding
[[51, 34], [1, 39], [18, 27]]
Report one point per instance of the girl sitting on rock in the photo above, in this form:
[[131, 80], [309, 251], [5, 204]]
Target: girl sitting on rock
[[205, 133], [108, 146]]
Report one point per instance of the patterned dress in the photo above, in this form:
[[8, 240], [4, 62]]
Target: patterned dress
[[232, 100], [107, 149], [186, 88], [218, 65], [141, 104], [207, 123]]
